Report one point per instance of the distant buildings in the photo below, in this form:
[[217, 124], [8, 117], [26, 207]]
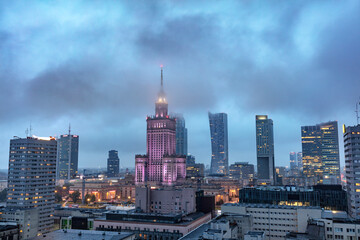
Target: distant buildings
[[113, 164], [195, 170], [293, 161], [181, 134], [219, 144], [300, 160], [161, 164], [265, 148], [320, 150], [241, 170], [67, 156], [352, 166], [31, 179]]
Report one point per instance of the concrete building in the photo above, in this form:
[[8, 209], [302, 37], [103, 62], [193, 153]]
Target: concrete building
[[67, 156], [253, 235], [225, 226], [352, 166], [241, 170], [161, 164], [26, 219], [31, 178], [320, 153], [219, 144], [181, 134], [166, 201], [265, 149], [151, 225], [275, 221], [113, 164]]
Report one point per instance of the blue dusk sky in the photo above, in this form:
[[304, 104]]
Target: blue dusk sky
[[96, 64]]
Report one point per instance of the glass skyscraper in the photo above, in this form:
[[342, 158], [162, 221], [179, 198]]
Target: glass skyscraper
[[265, 148], [181, 134], [219, 144], [293, 162], [320, 150], [113, 164], [67, 156]]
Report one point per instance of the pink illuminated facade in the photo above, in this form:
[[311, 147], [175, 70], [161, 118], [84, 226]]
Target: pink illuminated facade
[[160, 165]]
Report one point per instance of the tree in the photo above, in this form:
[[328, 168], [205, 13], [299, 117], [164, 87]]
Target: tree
[[75, 196]]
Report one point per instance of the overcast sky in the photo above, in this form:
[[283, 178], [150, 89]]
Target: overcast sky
[[96, 64]]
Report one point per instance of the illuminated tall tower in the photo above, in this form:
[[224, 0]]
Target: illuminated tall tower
[[160, 165], [265, 148], [67, 156], [219, 144], [320, 149]]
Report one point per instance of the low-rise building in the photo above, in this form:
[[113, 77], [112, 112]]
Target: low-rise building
[[71, 234], [253, 235], [9, 231], [225, 226], [276, 221], [151, 225]]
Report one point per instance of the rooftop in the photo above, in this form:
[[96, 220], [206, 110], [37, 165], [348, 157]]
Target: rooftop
[[260, 205], [71, 234]]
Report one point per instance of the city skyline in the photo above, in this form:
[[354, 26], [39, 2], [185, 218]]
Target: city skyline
[[104, 101]]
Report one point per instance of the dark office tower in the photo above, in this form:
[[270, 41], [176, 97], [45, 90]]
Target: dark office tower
[[31, 179], [320, 150], [299, 160], [181, 134], [113, 164], [352, 164], [265, 148], [293, 162], [67, 156], [219, 144]]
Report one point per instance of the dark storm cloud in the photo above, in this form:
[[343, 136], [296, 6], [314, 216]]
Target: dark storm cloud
[[96, 65]]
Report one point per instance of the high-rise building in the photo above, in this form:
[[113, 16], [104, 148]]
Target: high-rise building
[[219, 144], [31, 179], [352, 166], [293, 160], [181, 134], [320, 153], [299, 160], [161, 164], [113, 164], [265, 148], [67, 156]]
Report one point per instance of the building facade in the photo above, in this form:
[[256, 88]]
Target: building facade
[[181, 134], [166, 201], [320, 153], [352, 166], [219, 144], [275, 221], [293, 160], [67, 156], [31, 178], [113, 164], [265, 148], [161, 164]]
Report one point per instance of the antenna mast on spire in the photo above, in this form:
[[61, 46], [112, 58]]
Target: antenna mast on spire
[[162, 78], [357, 112], [69, 129], [30, 130]]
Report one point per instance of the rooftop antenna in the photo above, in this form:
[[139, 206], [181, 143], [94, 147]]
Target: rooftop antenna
[[69, 128], [30, 130], [27, 132], [357, 111]]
